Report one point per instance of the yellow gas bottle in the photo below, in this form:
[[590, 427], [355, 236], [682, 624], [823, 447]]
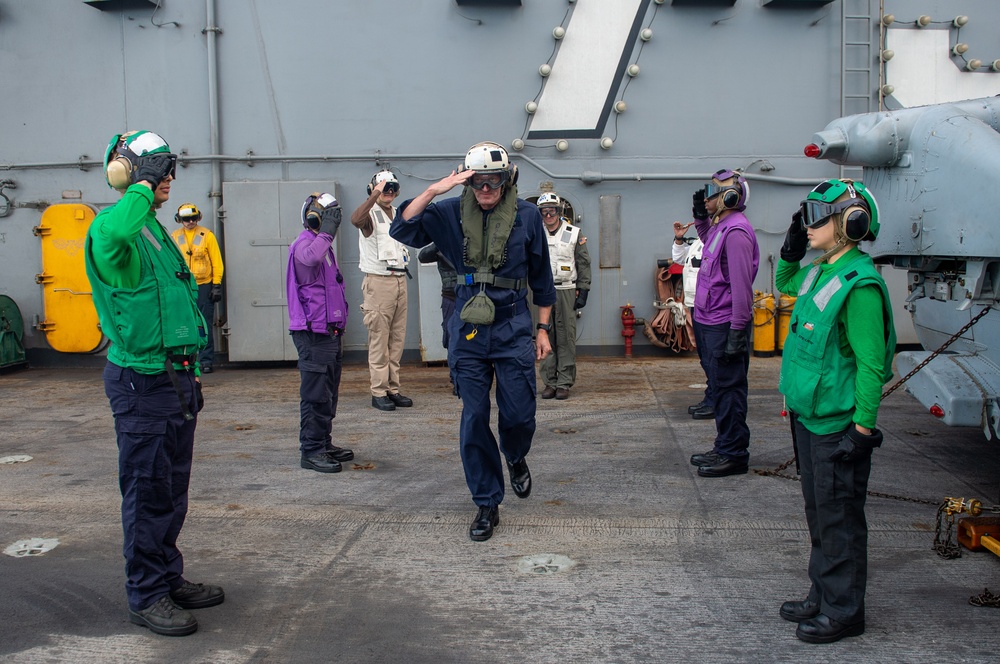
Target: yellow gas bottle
[[763, 324], [785, 305]]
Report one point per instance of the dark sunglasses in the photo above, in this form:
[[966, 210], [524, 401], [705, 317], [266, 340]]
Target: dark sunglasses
[[391, 188], [550, 212], [816, 214]]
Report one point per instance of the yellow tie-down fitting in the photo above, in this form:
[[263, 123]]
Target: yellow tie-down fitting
[[962, 506]]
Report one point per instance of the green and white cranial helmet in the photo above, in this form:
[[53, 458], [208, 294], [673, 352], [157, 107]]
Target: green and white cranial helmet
[[122, 156], [849, 203]]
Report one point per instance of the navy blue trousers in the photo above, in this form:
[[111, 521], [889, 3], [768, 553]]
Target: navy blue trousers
[[447, 310], [506, 350], [155, 447], [728, 383], [835, 493], [207, 309], [321, 359], [709, 398]]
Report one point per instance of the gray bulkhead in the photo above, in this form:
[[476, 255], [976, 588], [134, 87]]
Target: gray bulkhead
[[268, 101]]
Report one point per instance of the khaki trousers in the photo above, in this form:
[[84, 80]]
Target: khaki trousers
[[384, 310]]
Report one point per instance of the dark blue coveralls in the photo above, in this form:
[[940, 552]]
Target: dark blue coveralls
[[478, 352]]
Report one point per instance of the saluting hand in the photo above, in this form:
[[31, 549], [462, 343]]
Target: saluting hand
[[446, 184]]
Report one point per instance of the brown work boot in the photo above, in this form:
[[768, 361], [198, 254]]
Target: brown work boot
[[562, 393], [548, 392]]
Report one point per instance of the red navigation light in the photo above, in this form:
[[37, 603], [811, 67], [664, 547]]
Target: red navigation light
[[812, 151], [937, 411]]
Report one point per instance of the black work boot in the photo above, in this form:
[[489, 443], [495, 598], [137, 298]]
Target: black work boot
[[197, 595], [165, 617]]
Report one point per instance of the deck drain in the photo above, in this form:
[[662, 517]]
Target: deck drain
[[35, 546], [16, 458], [545, 563]]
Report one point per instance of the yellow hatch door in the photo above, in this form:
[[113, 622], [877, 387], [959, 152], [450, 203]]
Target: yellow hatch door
[[70, 323]]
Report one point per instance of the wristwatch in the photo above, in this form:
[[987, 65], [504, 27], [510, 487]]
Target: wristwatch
[[544, 326]]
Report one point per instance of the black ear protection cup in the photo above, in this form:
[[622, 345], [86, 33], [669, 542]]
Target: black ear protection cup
[[730, 199], [513, 174], [312, 216], [856, 223], [371, 185]]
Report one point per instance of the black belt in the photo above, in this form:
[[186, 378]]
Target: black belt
[[507, 311], [400, 271]]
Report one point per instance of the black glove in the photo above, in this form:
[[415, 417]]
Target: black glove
[[199, 397], [796, 240], [581, 299], [856, 445], [698, 208], [329, 220], [215, 295], [428, 254], [154, 168], [736, 346]]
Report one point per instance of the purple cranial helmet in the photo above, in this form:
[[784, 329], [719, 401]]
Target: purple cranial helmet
[[732, 186]]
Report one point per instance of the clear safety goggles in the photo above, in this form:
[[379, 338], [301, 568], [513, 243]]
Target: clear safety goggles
[[491, 180], [549, 212]]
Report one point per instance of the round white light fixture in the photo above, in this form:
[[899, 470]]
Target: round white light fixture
[[888, 54], [995, 66], [517, 144], [973, 65], [633, 70], [620, 106], [887, 90], [606, 143], [960, 21], [559, 32], [562, 145], [959, 49], [545, 70], [888, 19], [646, 34], [923, 21], [531, 107]]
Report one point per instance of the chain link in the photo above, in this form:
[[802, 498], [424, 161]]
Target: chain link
[[940, 350], [945, 546], [986, 598], [777, 472]]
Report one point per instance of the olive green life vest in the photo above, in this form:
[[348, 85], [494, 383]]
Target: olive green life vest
[[159, 316], [485, 244], [817, 375]]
